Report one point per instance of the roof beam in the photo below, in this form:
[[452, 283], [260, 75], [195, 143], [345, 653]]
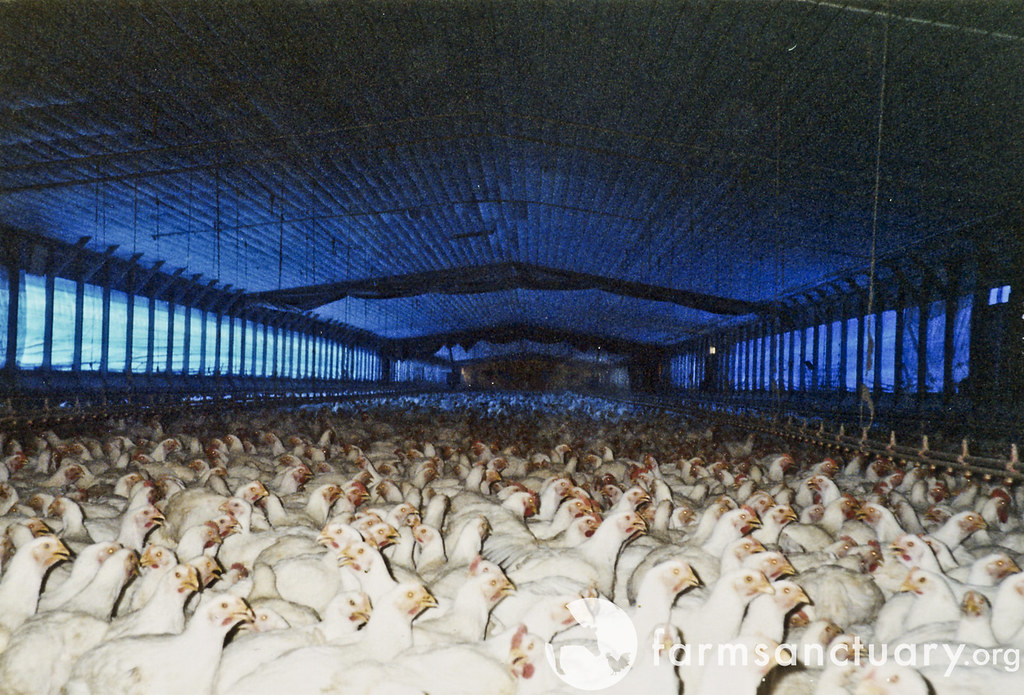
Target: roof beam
[[496, 277]]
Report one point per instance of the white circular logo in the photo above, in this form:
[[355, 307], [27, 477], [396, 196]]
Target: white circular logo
[[597, 653]]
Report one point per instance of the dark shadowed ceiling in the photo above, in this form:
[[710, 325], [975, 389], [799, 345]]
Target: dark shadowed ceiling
[[658, 159]]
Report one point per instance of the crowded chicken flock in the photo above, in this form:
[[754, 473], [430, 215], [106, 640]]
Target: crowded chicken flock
[[438, 545]]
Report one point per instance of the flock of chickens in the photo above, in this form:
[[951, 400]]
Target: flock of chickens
[[435, 544]]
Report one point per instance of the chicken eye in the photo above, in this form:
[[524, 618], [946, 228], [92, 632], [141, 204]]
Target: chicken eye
[[773, 561], [786, 590], [352, 603], [893, 679], [675, 571], [223, 604], [748, 579], [263, 616], [999, 563], [409, 594], [110, 551], [362, 550], [921, 580]]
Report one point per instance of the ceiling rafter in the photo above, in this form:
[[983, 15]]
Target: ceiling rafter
[[495, 277]]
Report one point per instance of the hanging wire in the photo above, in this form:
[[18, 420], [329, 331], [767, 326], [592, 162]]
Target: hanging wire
[[775, 338], [216, 222], [96, 218], [280, 249], [865, 395], [238, 238], [188, 235], [156, 235], [135, 216]]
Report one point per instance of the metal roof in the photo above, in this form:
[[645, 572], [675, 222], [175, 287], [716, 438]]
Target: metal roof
[[722, 149]]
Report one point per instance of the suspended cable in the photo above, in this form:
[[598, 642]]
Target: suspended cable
[[156, 236], [238, 239], [135, 216], [865, 395], [280, 249], [774, 335], [188, 236], [216, 222]]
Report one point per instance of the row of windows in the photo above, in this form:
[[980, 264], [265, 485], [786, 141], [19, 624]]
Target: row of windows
[[165, 338], [414, 370], [827, 359]]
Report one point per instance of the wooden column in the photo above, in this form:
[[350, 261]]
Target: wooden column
[[151, 335], [922, 348], [901, 305], [49, 289], [76, 362], [169, 362], [105, 323], [130, 318], [948, 348], [14, 287]]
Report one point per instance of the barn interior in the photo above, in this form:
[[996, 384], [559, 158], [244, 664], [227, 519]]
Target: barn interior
[[421, 263]]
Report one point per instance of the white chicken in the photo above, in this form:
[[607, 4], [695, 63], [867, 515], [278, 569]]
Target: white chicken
[[162, 663]]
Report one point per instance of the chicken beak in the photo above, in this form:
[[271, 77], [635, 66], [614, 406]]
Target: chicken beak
[[147, 557], [245, 615], [787, 570], [1012, 568], [191, 582], [361, 617], [690, 579], [980, 524], [61, 552], [428, 600], [158, 519], [908, 585], [790, 515], [225, 507], [861, 514], [507, 589], [803, 597], [344, 560], [765, 587], [324, 540]]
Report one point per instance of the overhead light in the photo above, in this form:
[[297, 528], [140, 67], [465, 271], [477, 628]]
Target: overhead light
[[711, 350]]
